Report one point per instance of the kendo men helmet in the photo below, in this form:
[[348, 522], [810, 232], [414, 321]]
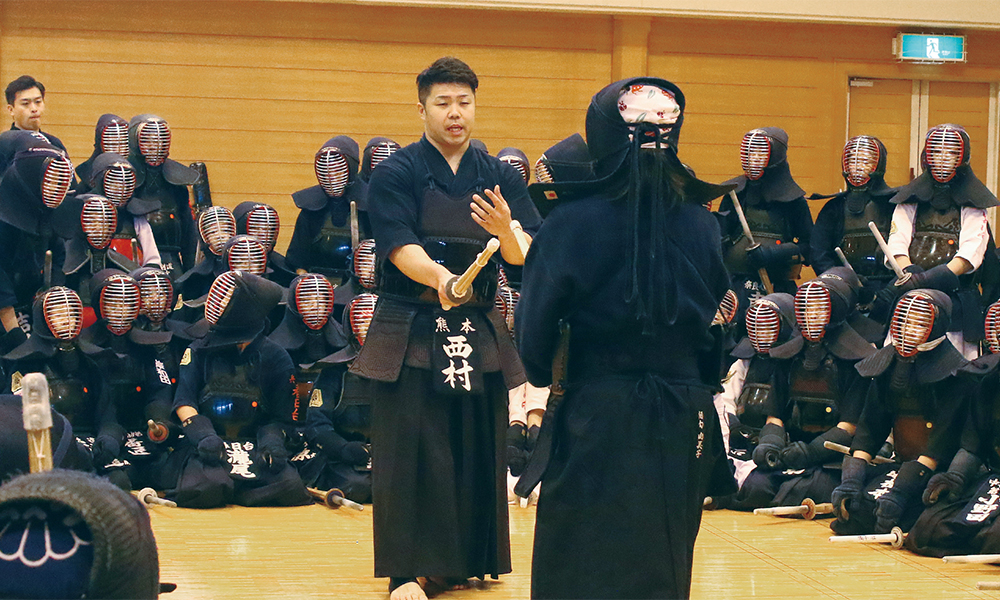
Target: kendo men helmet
[[946, 149], [920, 321], [377, 150], [216, 225], [117, 297], [864, 158], [114, 178], [336, 164], [156, 293], [259, 221], [516, 159], [313, 295], [770, 321], [149, 139], [762, 148]]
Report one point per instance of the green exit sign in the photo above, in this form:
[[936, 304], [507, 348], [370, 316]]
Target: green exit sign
[[926, 48]]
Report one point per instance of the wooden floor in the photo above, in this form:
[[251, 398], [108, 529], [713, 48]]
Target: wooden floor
[[315, 552]]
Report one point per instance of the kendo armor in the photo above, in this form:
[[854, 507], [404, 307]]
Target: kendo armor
[[365, 264], [156, 294], [114, 137], [314, 300], [119, 303], [755, 154], [767, 325], [377, 150], [360, 310], [263, 224], [993, 328], [154, 141], [861, 158], [918, 325], [946, 148], [245, 253], [935, 235], [230, 398], [119, 184], [516, 159], [56, 179], [149, 147], [99, 221], [727, 310], [62, 312], [813, 383], [332, 171], [216, 226], [506, 303]]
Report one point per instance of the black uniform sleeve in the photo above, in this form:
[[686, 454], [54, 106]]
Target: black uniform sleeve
[[392, 207], [277, 384], [876, 419], [826, 235], [952, 409], [545, 299]]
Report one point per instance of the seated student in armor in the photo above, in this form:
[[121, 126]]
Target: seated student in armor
[[376, 150], [964, 500], [113, 177], [110, 135], [777, 215], [216, 226], [321, 241], [337, 417], [161, 189], [814, 392], [33, 186], [941, 235], [139, 383], [77, 387], [260, 221], [915, 393], [843, 221], [236, 401]]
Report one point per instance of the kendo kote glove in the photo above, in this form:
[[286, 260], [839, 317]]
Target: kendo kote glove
[[909, 484], [200, 433], [773, 255], [271, 447], [852, 481], [106, 448], [949, 485], [336, 449], [799, 455], [770, 443], [517, 453], [936, 278]]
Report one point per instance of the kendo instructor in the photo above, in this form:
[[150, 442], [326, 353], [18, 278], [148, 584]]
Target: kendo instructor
[[440, 370]]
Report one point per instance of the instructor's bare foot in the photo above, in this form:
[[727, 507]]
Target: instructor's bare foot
[[408, 591]]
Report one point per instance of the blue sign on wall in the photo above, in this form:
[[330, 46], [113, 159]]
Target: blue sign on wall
[[930, 48]]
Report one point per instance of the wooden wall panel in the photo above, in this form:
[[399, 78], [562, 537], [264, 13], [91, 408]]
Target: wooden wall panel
[[253, 89], [883, 110], [968, 105]]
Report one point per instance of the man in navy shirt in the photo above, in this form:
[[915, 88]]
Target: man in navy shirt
[[440, 370]]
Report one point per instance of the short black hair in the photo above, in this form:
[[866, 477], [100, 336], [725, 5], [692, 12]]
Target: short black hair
[[445, 70], [24, 82]]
